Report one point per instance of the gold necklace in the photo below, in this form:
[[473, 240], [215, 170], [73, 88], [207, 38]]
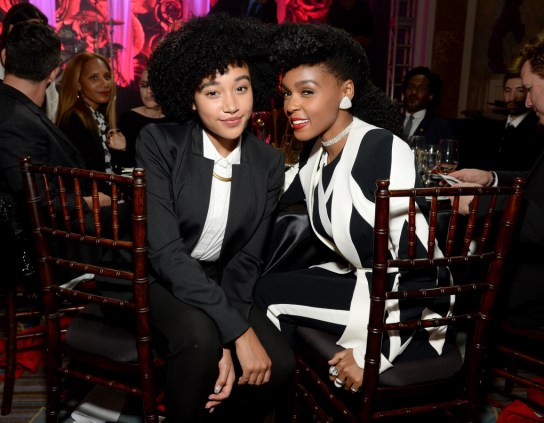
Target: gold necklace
[[221, 178]]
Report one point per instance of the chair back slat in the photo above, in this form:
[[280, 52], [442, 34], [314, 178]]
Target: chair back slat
[[433, 215], [80, 212], [64, 204], [96, 208], [411, 231], [469, 237], [114, 211], [49, 200], [452, 227], [487, 225]]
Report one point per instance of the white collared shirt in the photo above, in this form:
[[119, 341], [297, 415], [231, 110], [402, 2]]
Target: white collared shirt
[[515, 122], [418, 117], [208, 247]]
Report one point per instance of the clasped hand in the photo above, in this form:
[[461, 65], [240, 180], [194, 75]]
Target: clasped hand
[[116, 140], [348, 370], [254, 361]]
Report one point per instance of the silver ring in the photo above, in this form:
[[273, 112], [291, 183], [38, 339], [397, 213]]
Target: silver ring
[[333, 371], [339, 383]]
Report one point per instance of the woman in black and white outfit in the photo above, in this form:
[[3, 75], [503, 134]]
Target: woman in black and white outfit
[[329, 99]]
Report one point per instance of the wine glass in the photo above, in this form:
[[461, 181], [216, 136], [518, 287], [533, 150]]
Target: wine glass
[[448, 156], [426, 162], [417, 143]]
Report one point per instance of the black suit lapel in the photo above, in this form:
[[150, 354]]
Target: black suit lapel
[[242, 200], [198, 174]]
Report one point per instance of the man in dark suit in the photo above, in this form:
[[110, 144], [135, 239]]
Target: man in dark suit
[[421, 90], [524, 296], [264, 10], [521, 138], [31, 57]]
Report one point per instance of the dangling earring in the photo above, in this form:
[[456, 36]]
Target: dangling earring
[[345, 103]]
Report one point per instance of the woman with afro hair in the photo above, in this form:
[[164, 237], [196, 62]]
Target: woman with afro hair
[[212, 192], [330, 100]]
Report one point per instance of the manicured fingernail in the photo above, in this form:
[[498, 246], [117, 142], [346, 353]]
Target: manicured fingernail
[[211, 410], [217, 389]]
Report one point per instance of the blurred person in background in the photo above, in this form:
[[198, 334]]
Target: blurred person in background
[[521, 137], [132, 121], [421, 93], [26, 12]]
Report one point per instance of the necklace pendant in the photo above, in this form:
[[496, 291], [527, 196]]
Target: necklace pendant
[[221, 178]]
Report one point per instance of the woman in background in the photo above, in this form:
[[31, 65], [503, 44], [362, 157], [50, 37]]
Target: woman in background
[[132, 121], [212, 193], [330, 100], [87, 111]]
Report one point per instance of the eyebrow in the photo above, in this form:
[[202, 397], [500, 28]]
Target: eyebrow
[[215, 83], [99, 73], [303, 82]]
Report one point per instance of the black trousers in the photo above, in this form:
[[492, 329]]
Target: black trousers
[[194, 348]]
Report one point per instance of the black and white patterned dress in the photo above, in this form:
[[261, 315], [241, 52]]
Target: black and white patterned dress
[[334, 296]]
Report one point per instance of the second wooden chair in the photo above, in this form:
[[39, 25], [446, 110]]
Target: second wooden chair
[[474, 252], [109, 342]]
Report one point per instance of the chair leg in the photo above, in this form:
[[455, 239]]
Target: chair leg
[[54, 362], [296, 415], [512, 368], [10, 352]]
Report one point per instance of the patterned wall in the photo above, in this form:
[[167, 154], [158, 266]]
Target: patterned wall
[[126, 31]]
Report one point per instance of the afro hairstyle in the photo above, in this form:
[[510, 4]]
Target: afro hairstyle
[[297, 44], [200, 49]]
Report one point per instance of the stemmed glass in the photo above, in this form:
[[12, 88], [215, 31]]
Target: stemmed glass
[[426, 162], [417, 144], [448, 156]]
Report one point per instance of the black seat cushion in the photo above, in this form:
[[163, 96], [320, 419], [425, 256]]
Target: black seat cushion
[[105, 332], [402, 373]]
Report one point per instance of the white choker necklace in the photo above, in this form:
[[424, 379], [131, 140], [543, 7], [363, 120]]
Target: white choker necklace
[[336, 138]]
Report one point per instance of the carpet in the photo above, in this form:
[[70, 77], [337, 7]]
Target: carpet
[[30, 396], [30, 392], [30, 399]]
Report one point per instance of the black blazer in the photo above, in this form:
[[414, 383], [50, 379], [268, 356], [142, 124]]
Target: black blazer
[[25, 130], [525, 283], [434, 128], [179, 182], [519, 147], [87, 141]]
